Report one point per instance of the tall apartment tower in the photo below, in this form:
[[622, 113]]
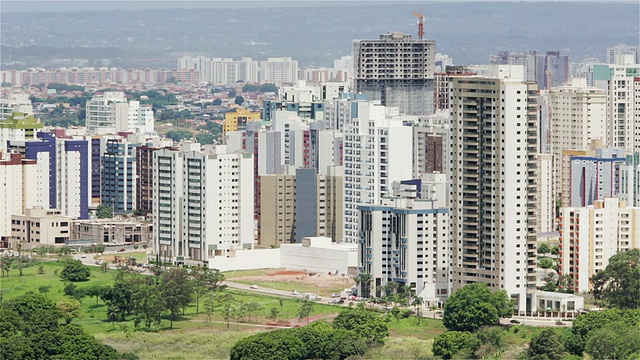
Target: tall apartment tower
[[204, 204], [118, 176], [495, 124], [396, 70], [378, 150], [577, 115], [622, 82]]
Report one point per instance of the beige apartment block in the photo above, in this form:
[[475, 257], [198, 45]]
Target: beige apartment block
[[40, 226], [277, 210], [591, 235]]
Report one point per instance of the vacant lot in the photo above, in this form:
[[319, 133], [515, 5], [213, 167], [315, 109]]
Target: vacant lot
[[288, 280]]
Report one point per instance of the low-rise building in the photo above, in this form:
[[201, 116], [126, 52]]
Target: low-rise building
[[115, 231], [320, 254], [40, 226]]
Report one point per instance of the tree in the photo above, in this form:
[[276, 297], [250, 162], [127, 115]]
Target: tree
[[226, 302], [450, 343], [249, 88], [268, 88], [616, 340], [273, 314], [176, 290], [217, 102], [70, 308], [104, 212], [545, 263], [231, 94], [44, 289], [205, 139], [305, 310], [368, 324], [474, 306], [618, 285], [177, 135], [74, 271], [239, 100], [586, 324], [93, 291], [555, 250], [548, 345], [112, 314], [544, 249]]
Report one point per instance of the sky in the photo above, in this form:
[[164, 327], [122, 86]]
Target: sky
[[11, 6]]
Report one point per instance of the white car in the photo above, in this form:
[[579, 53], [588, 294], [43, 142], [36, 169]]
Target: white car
[[334, 295], [254, 286], [294, 292]]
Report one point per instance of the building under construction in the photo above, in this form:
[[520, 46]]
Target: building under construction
[[397, 70]]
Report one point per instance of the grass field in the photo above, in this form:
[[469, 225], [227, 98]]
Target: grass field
[[194, 336]]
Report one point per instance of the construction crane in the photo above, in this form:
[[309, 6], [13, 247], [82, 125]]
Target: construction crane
[[420, 17]]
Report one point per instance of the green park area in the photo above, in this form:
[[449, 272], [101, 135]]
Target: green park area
[[59, 308]]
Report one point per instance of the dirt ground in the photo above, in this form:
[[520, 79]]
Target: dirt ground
[[322, 281]]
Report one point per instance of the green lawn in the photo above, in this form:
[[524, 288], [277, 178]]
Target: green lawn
[[230, 275], [194, 334], [427, 330]]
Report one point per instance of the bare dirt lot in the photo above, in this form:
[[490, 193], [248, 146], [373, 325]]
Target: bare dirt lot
[[302, 281]]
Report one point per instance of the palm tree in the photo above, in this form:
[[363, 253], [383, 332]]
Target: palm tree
[[417, 302], [112, 314], [363, 279]]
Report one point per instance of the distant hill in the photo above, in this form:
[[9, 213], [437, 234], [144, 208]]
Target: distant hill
[[315, 35]]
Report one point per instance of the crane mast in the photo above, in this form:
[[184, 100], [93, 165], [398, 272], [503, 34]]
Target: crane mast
[[420, 17]]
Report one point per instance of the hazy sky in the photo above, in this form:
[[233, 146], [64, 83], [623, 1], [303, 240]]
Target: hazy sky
[[9, 6]]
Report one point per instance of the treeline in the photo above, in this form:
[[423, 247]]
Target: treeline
[[149, 298], [30, 329], [352, 333]]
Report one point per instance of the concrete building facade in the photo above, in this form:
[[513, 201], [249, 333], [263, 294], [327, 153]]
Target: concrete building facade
[[495, 125], [591, 235], [40, 227], [397, 71], [278, 210]]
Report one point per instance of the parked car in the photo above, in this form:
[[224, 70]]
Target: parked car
[[294, 292], [254, 286], [121, 250], [334, 295]]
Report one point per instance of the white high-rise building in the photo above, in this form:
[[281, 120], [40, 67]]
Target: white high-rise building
[[278, 70], [495, 123], [630, 180], [406, 241], [110, 113], [204, 205], [546, 200], [622, 83], [377, 151], [577, 115], [15, 103], [623, 54], [22, 187]]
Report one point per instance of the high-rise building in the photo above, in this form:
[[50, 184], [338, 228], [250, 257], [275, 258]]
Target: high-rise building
[[577, 115], [622, 83], [623, 54], [110, 113], [495, 125], [441, 88], [118, 180], [278, 70], [378, 150], [630, 180], [593, 178], [204, 203], [18, 126], [397, 71], [319, 203], [22, 187], [548, 70], [277, 215], [67, 163], [405, 241], [593, 234]]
